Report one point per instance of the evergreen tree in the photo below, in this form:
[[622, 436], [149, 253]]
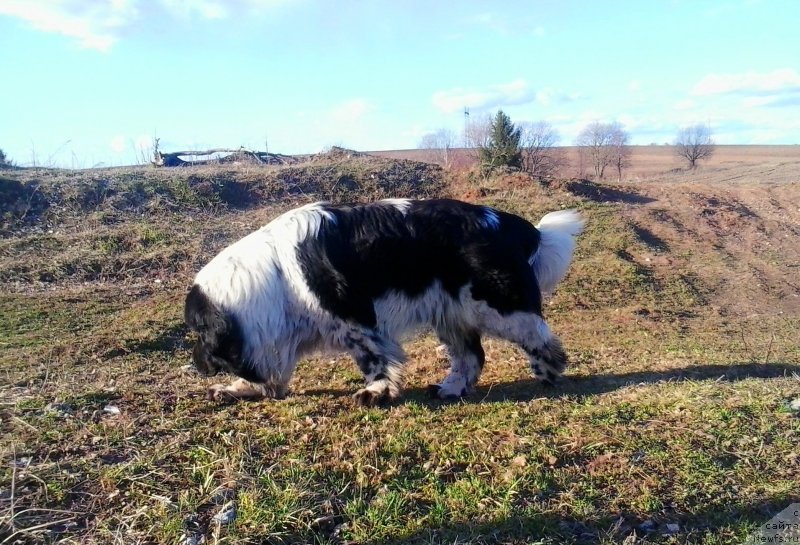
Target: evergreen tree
[[503, 148]]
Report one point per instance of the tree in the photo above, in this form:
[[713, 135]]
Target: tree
[[4, 162], [694, 143], [604, 145], [620, 150], [477, 134], [540, 158], [503, 147], [440, 146]]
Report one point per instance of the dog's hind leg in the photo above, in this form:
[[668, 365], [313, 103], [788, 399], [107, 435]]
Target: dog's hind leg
[[381, 361], [466, 363], [531, 333]]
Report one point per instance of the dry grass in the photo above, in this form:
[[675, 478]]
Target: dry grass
[[680, 326]]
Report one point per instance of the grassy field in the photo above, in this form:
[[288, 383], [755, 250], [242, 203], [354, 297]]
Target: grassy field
[[673, 425]]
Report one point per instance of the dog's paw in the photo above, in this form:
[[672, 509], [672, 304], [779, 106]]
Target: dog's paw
[[433, 391], [219, 392], [369, 398], [441, 391], [549, 380]]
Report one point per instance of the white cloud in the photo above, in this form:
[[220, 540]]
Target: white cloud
[[634, 86], [351, 110], [751, 102], [97, 24], [491, 21], [207, 9], [504, 25], [507, 94], [219, 9], [545, 96], [686, 104], [416, 132], [93, 24], [548, 96], [749, 83], [791, 99]]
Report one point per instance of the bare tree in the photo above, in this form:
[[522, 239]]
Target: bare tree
[[540, 156], [478, 134], [620, 150], [440, 146], [604, 145], [694, 143]]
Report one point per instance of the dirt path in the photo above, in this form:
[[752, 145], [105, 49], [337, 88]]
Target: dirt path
[[742, 238]]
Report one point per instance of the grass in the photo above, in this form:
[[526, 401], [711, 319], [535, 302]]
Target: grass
[[672, 413]]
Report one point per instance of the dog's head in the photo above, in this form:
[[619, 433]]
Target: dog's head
[[220, 343], [206, 363]]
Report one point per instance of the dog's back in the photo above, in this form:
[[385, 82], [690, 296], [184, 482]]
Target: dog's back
[[363, 253]]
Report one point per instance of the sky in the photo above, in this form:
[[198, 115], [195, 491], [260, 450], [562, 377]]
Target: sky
[[87, 83]]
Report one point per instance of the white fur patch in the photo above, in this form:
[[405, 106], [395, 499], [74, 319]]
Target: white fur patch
[[401, 204], [551, 260], [259, 280]]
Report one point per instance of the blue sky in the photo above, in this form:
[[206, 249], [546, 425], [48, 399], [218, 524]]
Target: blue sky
[[90, 82]]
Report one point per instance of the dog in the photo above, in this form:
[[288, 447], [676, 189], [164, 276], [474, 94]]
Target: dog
[[357, 278]]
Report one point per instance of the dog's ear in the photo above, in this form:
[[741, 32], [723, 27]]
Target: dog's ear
[[219, 332], [203, 316]]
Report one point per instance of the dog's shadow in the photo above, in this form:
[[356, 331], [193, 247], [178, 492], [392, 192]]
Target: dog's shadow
[[583, 385]]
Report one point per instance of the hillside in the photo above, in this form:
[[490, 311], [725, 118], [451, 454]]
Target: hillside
[[674, 423]]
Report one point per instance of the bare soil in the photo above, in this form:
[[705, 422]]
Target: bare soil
[[744, 221], [749, 230]]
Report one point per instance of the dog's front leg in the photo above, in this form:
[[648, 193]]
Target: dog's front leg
[[244, 390], [381, 361]]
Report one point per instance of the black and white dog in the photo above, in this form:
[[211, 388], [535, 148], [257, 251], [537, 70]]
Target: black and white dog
[[356, 278]]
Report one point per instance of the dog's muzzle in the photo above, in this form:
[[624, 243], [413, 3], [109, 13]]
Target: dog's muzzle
[[203, 361]]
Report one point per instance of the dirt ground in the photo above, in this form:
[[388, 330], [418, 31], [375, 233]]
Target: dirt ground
[[748, 216]]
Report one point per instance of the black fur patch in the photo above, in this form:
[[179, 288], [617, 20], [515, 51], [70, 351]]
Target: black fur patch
[[371, 249], [557, 358], [221, 342], [474, 346]]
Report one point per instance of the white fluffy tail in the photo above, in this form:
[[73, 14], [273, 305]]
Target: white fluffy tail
[[551, 260]]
